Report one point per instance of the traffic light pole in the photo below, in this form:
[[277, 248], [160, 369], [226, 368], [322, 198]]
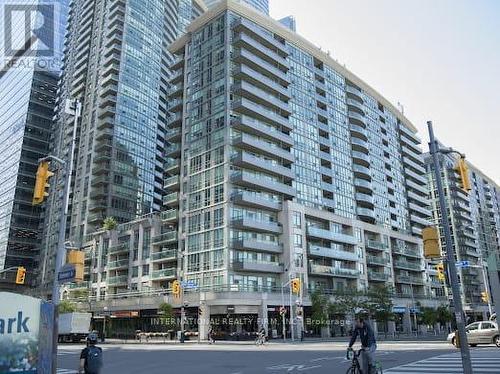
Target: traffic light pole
[[450, 256]]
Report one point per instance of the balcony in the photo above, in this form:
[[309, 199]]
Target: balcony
[[168, 255], [124, 263], [253, 61], [375, 244], [419, 178], [316, 250], [361, 158], [418, 187], [172, 166], [424, 211], [403, 264], [365, 213], [356, 118], [407, 279], [256, 225], [172, 199], [359, 145], [264, 38], [317, 232], [250, 161], [172, 183], [249, 180], [252, 126], [173, 136], [177, 76], [406, 252], [358, 132], [119, 248], [260, 80], [245, 41], [364, 199], [355, 93], [169, 216], [362, 185], [260, 112], [419, 220], [167, 237], [257, 266], [164, 274], [377, 260], [409, 134], [174, 120], [257, 246], [173, 151], [333, 271], [355, 104], [246, 198], [119, 280], [378, 276], [261, 97], [250, 143]]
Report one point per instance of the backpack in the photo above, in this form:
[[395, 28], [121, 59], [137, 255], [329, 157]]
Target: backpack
[[94, 360]]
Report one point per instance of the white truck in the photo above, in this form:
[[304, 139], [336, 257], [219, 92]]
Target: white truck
[[73, 327]]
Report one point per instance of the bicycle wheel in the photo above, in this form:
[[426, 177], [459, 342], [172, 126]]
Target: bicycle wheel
[[352, 370]]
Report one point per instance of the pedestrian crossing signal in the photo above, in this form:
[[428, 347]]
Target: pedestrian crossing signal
[[485, 297]]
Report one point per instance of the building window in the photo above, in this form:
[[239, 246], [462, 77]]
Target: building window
[[297, 219]]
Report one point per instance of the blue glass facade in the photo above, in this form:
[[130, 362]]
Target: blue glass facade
[[27, 106], [260, 5]]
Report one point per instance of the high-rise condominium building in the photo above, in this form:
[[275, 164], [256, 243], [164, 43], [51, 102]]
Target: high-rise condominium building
[[474, 220], [260, 5], [281, 163], [29, 70], [116, 66]]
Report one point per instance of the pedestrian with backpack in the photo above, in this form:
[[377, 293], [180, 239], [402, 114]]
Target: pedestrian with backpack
[[91, 356]]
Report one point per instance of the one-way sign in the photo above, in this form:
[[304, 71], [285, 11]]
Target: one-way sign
[[463, 264], [66, 274]]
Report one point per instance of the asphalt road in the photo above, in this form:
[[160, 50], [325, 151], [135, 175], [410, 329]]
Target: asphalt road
[[315, 358]]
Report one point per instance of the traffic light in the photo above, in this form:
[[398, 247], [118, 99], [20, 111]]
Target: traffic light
[[485, 297], [77, 258], [463, 170], [295, 285], [42, 176], [176, 288], [21, 275], [440, 270], [430, 236]]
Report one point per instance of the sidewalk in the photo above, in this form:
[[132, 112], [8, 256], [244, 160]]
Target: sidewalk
[[308, 341]]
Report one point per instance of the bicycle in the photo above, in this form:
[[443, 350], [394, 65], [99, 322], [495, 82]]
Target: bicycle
[[355, 366]]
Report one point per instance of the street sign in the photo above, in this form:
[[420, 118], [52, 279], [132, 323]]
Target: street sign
[[188, 284], [66, 274], [463, 264]]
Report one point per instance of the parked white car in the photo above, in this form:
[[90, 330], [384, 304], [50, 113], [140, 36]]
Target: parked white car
[[485, 332]]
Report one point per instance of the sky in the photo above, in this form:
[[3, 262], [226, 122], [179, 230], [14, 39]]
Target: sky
[[439, 58]]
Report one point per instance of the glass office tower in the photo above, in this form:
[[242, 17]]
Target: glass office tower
[[30, 68], [116, 65]]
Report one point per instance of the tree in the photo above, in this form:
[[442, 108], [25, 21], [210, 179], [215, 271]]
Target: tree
[[443, 315], [428, 316], [66, 306], [109, 223], [319, 307], [379, 304], [167, 314]]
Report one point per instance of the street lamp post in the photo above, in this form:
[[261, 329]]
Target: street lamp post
[[450, 253]]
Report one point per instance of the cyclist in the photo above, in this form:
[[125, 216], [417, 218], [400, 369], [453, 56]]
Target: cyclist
[[368, 342], [261, 336]]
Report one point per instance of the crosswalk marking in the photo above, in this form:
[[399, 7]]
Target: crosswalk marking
[[484, 361]]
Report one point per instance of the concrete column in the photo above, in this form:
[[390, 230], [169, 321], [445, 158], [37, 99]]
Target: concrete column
[[204, 321], [391, 327], [263, 320], [407, 321]]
